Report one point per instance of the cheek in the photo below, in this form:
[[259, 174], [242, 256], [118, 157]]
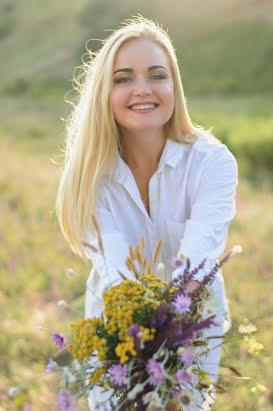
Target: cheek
[[117, 101], [168, 95], [113, 100]]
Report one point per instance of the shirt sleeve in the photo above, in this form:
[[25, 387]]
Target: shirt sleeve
[[115, 251], [212, 210]]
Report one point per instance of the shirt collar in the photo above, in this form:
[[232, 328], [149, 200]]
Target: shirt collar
[[171, 155]]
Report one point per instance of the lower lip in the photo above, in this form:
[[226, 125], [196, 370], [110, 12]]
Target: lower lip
[[144, 111]]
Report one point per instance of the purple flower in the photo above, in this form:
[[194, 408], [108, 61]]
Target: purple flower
[[134, 330], [156, 371], [184, 377], [118, 373], [27, 407], [161, 314], [182, 303], [136, 333], [65, 402], [59, 340], [50, 366], [176, 262], [188, 356], [195, 333]]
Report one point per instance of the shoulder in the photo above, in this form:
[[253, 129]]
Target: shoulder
[[213, 151], [209, 146], [205, 155], [202, 148]]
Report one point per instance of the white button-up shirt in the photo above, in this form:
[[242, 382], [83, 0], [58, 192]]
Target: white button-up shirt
[[191, 201]]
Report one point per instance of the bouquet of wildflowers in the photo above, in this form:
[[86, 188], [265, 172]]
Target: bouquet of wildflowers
[[146, 348], [144, 345]]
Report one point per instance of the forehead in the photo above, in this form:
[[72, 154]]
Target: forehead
[[138, 53]]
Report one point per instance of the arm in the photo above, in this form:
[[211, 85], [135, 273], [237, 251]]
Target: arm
[[212, 210]]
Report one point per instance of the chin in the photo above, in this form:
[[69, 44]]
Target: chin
[[143, 126]]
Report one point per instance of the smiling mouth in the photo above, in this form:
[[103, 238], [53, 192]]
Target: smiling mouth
[[138, 107]]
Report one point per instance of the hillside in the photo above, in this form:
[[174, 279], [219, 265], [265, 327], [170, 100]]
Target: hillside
[[221, 49]]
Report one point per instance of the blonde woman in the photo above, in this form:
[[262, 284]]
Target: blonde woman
[[135, 160]]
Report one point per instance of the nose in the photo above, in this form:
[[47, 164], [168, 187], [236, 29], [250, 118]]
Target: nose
[[141, 87]]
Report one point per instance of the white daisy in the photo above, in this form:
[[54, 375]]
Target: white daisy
[[152, 400]]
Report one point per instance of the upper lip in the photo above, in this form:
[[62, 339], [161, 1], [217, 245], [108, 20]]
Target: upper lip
[[140, 103]]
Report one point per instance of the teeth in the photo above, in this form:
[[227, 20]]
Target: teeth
[[143, 106]]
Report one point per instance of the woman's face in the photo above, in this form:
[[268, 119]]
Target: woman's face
[[142, 97]]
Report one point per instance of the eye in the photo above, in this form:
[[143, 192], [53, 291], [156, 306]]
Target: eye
[[158, 76], [123, 80]]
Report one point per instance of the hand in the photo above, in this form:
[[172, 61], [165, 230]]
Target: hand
[[173, 406], [191, 286]]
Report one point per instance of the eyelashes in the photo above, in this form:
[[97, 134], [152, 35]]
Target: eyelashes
[[153, 77], [158, 77], [123, 80]]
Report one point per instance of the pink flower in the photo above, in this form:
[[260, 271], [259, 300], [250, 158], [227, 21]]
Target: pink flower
[[184, 377], [176, 262], [65, 402], [50, 366], [59, 340], [157, 372], [118, 373], [182, 303], [188, 356]]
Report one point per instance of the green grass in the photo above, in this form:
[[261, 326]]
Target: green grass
[[34, 256], [230, 57], [225, 55], [33, 259], [245, 125]]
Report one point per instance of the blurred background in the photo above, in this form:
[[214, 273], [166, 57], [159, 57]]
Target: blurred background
[[225, 53]]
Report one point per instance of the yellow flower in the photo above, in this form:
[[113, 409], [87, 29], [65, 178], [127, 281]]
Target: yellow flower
[[208, 381], [254, 346], [147, 334], [258, 388], [203, 376], [125, 347], [120, 303], [96, 376]]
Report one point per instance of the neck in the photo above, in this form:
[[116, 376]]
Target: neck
[[142, 150]]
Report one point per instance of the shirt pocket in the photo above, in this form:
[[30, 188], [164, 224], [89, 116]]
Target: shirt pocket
[[175, 233]]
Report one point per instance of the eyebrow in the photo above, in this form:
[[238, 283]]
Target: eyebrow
[[130, 70]]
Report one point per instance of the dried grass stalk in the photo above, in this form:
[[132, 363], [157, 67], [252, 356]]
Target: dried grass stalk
[[142, 243], [95, 224], [90, 246], [136, 249], [100, 242], [149, 268], [131, 252], [122, 275], [157, 250], [139, 258]]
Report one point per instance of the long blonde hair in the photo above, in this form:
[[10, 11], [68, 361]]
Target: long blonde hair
[[92, 136]]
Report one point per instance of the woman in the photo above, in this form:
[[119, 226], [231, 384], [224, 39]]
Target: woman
[[135, 160]]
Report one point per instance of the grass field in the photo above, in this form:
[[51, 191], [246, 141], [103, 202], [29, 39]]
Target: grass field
[[34, 257], [226, 59]]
